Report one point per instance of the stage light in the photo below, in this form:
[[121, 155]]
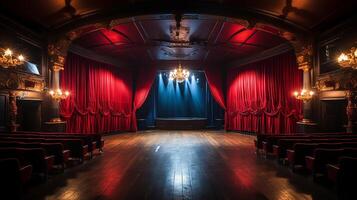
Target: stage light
[[160, 74]]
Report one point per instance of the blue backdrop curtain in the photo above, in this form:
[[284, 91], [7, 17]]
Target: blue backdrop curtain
[[190, 99]]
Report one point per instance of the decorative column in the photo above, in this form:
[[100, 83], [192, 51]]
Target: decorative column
[[351, 111], [13, 112], [304, 57], [58, 65], [57, 53]]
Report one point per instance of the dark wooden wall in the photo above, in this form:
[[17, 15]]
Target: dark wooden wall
[[332, 81], [30, 101]]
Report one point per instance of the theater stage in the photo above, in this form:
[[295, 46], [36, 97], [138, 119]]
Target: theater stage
[[181, 123], [193, 165]]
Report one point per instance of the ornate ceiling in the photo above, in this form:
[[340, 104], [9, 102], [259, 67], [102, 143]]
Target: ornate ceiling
[[142, 34], [147, 39], [305, 14]]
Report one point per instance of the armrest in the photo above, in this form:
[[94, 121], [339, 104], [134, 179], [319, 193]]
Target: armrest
[[66, 151], [25, 173], [66, 155], [332, 171], [276, 150], [49, 161], [309, 160], [85, 149], [333, 166], [49, 158], [94, 145], [290, 154]]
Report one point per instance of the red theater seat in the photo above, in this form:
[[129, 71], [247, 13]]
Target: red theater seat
[[41, 164], [13, 178]]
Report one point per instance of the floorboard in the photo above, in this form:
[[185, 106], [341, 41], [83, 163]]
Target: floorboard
[[179, 165]]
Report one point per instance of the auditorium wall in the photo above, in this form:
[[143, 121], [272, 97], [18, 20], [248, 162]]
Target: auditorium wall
[[21, 86], [333, 82]]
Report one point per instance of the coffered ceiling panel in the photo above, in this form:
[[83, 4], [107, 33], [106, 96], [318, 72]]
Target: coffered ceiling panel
[[142, 41], [55, 13]]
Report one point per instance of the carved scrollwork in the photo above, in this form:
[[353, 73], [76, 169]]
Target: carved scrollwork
[[340, 80], [304, 57], [12, 80]]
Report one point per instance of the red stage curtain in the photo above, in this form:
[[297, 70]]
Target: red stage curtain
[[101, 96], [259, 96], [214, 76], [143, 81]]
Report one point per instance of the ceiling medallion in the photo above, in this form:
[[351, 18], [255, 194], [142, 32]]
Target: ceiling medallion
[[8, 59], [348, 60], [179, 34], [179, 74]]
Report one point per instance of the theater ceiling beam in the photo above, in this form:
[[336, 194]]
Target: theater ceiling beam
[[252, 16]]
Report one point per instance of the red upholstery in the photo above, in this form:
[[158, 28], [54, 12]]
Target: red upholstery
[[13, 177]]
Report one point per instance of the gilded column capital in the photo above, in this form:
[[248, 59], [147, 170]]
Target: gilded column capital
[[304, 57]]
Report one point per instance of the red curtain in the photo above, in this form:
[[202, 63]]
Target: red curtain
[[215, 77], [143, 81], [259, 96], [101, 96]]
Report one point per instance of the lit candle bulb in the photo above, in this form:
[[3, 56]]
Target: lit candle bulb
[[66, 93], [51, 92], [59, 91], [342, 57], [21, 57], [296, 93], [8, 52]]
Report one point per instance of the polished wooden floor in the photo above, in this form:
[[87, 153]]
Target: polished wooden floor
[[179, 165]]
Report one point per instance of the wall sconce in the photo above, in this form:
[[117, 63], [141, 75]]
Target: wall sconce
[[8, 59], [58, 95], [348, 60], [304, 95]]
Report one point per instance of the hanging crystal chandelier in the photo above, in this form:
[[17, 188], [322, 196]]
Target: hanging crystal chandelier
[[348, 59], [179, 74], [7, 59]]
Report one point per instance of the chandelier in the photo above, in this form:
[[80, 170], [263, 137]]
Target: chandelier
[[7, 59], [58, 95], [179, 74], [305, 95], [348, 59]]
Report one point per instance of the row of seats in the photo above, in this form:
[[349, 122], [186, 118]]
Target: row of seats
[[27, 156], [329, 157]]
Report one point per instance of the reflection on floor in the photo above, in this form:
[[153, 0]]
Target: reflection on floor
[[179, 165]]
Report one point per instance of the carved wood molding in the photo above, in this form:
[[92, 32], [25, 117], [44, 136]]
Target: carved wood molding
[[344, 79], [16, 80]]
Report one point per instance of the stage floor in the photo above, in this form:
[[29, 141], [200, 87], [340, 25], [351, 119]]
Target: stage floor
[[181, 123], [157, 165]]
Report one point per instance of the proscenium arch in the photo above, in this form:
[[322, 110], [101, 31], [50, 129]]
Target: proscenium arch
[[62, 35]]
